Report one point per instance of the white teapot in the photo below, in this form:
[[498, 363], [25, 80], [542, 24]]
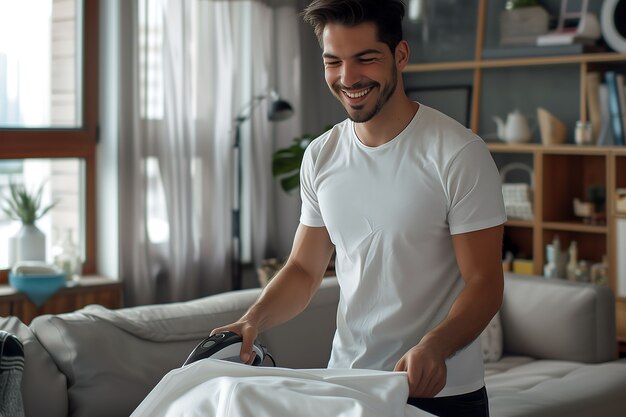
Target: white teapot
[[516, 129]]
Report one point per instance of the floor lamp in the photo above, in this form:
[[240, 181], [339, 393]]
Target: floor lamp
[[278, 110]]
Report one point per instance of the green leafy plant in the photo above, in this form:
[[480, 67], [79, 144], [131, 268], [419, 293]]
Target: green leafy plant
[[23, 205], [286, 162], [597, 195]]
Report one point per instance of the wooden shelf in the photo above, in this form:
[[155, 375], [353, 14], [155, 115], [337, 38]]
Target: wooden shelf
[[514, 148], [516, 62], [441, 66], [576, 150], [519, 223], [555, 149], [89, 290], [575, 227]]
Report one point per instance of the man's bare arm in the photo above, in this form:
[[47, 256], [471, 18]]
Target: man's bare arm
[[479, 258], [290, 291]]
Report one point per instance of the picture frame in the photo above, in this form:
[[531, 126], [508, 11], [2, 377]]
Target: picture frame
[[452, 100]]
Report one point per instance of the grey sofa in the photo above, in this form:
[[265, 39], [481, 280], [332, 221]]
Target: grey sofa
[[558, 343]]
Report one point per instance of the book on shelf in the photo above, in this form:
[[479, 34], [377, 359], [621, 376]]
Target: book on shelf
[[594, 105], [621, 260], [617, 108], [621, 95]]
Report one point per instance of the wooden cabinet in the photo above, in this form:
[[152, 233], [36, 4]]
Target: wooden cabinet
[[89, 290], [498, 86]]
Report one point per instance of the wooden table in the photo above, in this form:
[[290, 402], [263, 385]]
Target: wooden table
[[88, 290]]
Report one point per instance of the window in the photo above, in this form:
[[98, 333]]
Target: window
[[49, 112], [40, 47], [62, 183]]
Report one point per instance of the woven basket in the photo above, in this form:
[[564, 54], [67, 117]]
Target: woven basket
[[518, 197]]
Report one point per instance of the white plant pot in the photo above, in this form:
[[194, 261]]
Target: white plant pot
[[29, 244]]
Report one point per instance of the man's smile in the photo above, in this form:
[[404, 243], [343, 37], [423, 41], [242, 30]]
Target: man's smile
[[357, 94]]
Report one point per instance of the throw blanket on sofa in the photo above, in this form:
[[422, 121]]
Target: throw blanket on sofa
[[11, 368], [218, 388]]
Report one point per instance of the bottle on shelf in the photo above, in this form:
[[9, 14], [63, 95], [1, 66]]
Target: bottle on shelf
[[582, 271], [550, 269], [68, 257], [572, 265], [600, 272], [556, 265]]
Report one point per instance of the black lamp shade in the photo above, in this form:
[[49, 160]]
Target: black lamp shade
[[279, 110]]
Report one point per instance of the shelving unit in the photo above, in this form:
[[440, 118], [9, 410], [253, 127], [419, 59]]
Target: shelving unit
[[560, 173], [89, 290]]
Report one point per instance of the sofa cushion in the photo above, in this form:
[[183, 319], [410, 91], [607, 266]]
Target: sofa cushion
[[128, 351], [555, 319], [49, 399], [505, 363], [546, 388], [491, 340]]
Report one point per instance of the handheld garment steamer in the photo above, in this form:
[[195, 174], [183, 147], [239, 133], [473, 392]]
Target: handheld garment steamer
[[226, 346]]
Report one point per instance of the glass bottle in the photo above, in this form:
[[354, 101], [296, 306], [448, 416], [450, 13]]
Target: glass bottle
[[572, 266], [68, 258], [600, 272], [550, 268]]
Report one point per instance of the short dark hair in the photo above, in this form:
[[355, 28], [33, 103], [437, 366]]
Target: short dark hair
[[387, 15]]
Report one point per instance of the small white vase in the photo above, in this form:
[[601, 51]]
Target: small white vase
[[29, 244]]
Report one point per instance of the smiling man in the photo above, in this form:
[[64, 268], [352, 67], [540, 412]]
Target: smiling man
[[411, 201]]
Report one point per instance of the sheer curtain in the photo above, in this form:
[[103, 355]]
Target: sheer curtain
[[188, 67]]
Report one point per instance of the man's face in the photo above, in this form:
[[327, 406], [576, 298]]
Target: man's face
[[359, 69]]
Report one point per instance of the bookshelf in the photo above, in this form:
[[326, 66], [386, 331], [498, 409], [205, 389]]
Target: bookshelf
[[560, 173]]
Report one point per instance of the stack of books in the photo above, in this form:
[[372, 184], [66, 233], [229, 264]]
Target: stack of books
[[607, 107]]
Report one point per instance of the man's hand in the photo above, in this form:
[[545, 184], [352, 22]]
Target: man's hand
[[248, 333], [426, 368], [289, 292], [478, 255]]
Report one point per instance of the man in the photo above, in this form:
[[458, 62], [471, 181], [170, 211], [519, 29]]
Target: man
[[411, 201]]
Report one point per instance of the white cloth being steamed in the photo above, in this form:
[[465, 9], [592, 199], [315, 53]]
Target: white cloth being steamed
[[218, 388]]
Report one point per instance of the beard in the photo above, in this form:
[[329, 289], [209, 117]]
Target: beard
[[359, 114]]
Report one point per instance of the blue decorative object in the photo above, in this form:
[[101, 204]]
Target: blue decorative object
[[38, 288]]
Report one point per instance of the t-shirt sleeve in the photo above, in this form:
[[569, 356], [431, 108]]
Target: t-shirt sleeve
[[474, 190], [310, 214]]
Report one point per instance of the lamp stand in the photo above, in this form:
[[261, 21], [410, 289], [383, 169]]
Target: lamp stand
[[278, 110], [236, 269]]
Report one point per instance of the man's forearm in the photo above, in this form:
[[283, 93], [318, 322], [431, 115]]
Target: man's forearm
[[287, 295], [471, 312]]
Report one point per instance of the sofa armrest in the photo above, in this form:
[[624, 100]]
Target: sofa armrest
[[113, 358], [556, 319], [44, 391]]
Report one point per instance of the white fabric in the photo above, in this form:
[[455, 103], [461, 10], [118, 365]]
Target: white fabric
[[187, 69], [491, 340], [390, 211], [218, 388]]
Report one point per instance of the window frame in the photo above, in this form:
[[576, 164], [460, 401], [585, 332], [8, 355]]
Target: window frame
[[22, 143]]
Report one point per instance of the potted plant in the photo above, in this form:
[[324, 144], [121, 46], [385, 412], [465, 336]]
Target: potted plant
[[286, 162], [29, 244]]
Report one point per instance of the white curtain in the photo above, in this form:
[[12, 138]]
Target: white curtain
[[195, 64]]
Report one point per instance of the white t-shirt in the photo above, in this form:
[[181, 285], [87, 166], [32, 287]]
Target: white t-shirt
[[390, 211]]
